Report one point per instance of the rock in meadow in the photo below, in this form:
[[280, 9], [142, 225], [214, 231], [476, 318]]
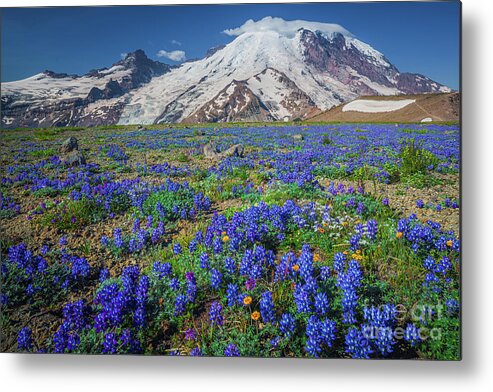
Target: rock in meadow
[[74, 158], [210, 151], [236, 150], [69, 145]]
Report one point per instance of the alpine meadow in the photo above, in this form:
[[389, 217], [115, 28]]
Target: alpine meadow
[[289, 193]]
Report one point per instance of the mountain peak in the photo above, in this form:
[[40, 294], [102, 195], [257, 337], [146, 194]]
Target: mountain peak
[[142, 68], [134, 58], [136, 54]]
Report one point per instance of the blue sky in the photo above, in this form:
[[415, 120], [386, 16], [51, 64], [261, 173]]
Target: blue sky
[[415, 36]]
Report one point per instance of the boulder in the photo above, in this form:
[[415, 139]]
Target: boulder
[[141, 128], [69, 145], [210, 151], [298, 137], [236, 150], [74, 158]]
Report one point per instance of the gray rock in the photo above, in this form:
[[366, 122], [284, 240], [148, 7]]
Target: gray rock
[[236, 150], [69, 145], [74, 158], [298, 137], [141, 128], [210, 151]]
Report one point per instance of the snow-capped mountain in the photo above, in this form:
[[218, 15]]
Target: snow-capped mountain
[[272, 70], [96, 98]]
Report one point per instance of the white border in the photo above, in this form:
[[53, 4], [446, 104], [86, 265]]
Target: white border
[[79, 373]]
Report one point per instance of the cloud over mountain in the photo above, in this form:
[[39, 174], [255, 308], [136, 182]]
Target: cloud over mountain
[[285, 27]]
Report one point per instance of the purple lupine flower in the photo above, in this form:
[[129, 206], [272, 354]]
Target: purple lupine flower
[[215, 314], [24, 340], [190, 334], [231, 350], [267, 307]]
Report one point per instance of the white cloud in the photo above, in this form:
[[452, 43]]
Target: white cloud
[[285, 27], [175, 42], [175, 55]]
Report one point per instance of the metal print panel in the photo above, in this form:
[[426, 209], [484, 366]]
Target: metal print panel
[[281, 181]]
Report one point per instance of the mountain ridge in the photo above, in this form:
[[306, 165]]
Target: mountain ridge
[[282, 76]]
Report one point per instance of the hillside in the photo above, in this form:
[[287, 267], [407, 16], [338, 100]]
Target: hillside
[[408, 108]]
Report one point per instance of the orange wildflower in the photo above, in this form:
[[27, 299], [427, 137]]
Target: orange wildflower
[[225, 238], [399, 234], [247, 300], [449, 243], [255, 315], [321, 230], [316, 257], [357, 257], [296, 267]]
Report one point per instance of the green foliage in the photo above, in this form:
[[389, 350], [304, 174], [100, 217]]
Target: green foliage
[[45, 192], [7, 214], [47, 287], [420, 180], [182, 157], [394, 172], [373, 208], [443, 342], [47, 152], [279, 193], [415, 131], [415, 159], [168, 200], [331, 171], [364, 173], [327, 141], [72, 214]]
